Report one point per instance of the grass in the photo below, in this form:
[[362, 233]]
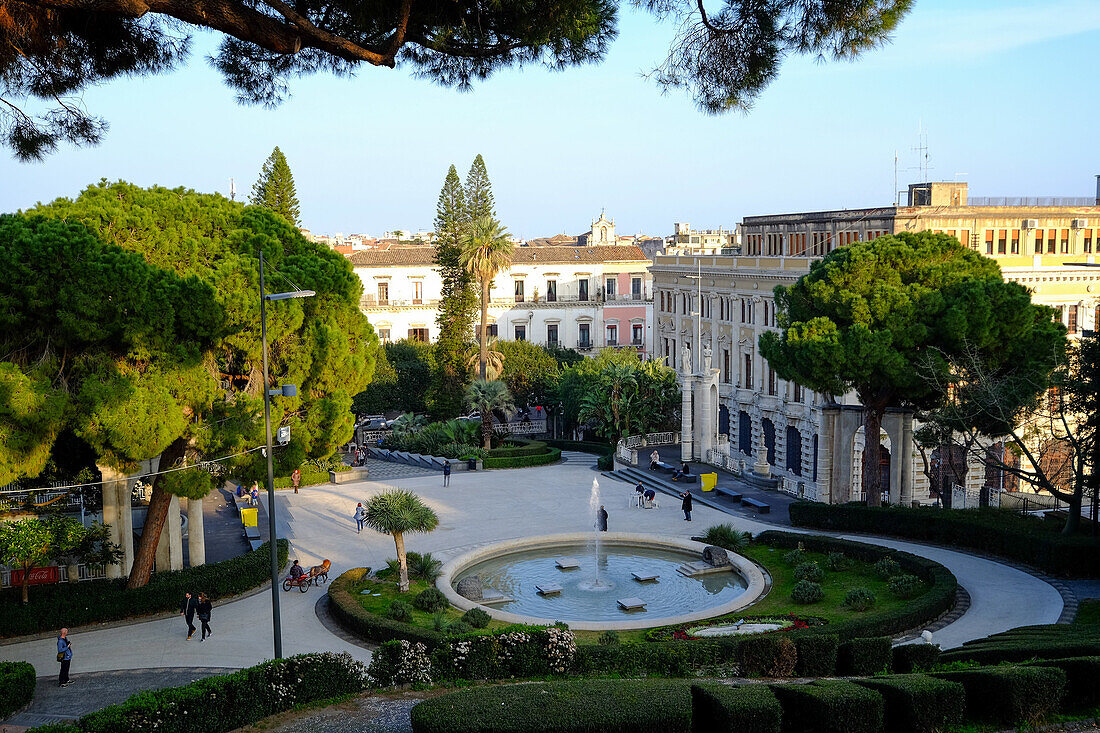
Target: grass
[[389, 593], [1088, 613]]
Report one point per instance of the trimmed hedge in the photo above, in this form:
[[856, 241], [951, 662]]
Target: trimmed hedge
[[309, 478], [830, 706], [17, 681], [768, 655], [1029, 642], [345, 608], [998, 532], [574, 706], [1010, 695], [741, 709], [98, 601], [552, 455], [917, 703], [1082, 679], [227, 702], [864, 656], [918, 657], [584, 446], [817, 655], [524, 447]]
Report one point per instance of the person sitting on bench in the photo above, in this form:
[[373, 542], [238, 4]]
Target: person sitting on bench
[[654, 459], [684, 470]]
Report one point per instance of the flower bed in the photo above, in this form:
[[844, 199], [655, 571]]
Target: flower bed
[[683, 632]]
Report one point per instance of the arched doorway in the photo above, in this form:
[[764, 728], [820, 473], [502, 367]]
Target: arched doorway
[[883, 472], [948, 464], [814, 464], [744, 433], [794, 450], [768, 428], [723, 420]]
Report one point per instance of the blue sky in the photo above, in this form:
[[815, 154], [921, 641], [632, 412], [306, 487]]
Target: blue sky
[[1006, 91]]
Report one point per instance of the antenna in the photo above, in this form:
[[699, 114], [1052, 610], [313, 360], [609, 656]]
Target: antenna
[[232, 190], [922, 150], [895, 177]]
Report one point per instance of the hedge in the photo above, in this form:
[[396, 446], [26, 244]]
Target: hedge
[[916, 703], [96, 601], [574, 706], [583, 446], [16, 686], [224, 703], [1010, 695], [1029, 642], [309, 478], [552, 455], [864, 656], [740, 709], [830, 706], [523, 447], [998, 532], [817, 655], [768, 655], [915, 657], [1082, 679], [346, 609]]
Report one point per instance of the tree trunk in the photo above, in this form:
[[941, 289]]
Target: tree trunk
[[484, 328], [1073, 521], [487, 429], [872, 454], [402, 563], [159, 502], [26, 583]]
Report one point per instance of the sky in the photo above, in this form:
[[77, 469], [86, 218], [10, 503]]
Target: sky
[[1005, 92]]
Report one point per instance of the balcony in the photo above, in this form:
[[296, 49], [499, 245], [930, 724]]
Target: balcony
[[584, 346], [635, 342], [612, 342]]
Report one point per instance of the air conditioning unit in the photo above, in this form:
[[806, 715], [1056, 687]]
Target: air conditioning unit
[[1080, 223], [1031, 223]]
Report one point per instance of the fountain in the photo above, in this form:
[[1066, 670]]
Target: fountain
[[596, 583]]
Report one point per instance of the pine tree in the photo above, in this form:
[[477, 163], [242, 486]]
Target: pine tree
[[458, 301], [274, 189], [479, 192]]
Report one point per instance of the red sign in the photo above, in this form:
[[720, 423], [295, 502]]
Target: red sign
[[38, 576]]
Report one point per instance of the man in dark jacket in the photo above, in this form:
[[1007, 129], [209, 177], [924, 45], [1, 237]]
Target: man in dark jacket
[[187, 610], [65, 656], [686, 505], [601, 519]]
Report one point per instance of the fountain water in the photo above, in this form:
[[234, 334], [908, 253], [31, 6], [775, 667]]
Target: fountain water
[[597, 583]]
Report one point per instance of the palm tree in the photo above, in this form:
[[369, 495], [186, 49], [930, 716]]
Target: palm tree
[[494, 360], [398, 512], [486, 250], [487, 397]]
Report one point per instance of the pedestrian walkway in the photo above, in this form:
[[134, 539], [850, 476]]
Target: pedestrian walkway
[[579, 458]]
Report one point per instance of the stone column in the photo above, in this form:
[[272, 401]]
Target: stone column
[[196, 535], [907, 459], [892, 423], [686, 427], [170, 545], [117, 514], [708, 423], [126, 525]]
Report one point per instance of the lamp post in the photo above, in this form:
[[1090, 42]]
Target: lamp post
[[286, 390]]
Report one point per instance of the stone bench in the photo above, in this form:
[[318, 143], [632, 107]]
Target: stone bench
[[687, 478], [734, 496], [756, 504], [665, 466], [631, 604], [548, 589], [252, 533], [347, 477], [255, 544]]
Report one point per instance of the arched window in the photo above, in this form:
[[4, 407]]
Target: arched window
[[744, 433], [794, 450], [768, 428]]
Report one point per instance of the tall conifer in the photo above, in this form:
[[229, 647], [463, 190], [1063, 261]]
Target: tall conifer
[[274, 189], [479, 192]]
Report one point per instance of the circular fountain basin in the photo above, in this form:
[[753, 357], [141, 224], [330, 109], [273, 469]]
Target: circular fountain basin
[[589, 601]]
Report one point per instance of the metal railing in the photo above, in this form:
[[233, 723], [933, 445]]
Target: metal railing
[[1031, 201], [651, 439]]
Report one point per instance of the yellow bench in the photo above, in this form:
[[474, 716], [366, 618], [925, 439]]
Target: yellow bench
[[710, 480]]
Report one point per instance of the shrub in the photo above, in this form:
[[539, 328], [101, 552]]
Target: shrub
[[610, 637], [865, 656], [806, 592], [519, 447], [458, 628], [400, 662], [77, 604], [606, 462], [573, 706], [887, 567], [17, 681], [477, 618], [424, 566], [915, 657], [430, 600], [905, 586], [817, 655], [830, 706], [399, 611], [769, 655], [836, 561], [552, 455], [724, 535], [345, 608], [795, 557], [1029, 642], [810, 571], [860, 599], [916, 703], [1010, 695], [1082, 676], [740, 709]]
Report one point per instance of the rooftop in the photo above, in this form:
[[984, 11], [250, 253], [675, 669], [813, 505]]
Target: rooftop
[[550, 255]]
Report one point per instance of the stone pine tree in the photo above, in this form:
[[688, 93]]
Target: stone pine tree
[[274, 190], [479, 192], [458, 301]]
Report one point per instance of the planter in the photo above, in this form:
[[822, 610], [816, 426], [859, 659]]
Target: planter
[[348, 477]]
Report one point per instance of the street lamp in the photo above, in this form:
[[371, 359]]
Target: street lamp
[[286, 390]]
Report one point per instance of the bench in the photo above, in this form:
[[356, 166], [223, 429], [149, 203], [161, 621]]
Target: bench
[[666, 466], [687, 478], [254, 544], [756, 504], [734, 496], [252, 533]]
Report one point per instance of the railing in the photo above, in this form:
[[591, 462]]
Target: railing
[[525, 428], [1027, 502], [84, 572], [651, 439], [612, 342], [1031, 201]]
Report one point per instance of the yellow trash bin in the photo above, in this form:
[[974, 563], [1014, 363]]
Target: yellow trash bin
[[710, 480], [249, 517]]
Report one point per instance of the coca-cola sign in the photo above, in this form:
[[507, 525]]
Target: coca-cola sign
[[38, 576]]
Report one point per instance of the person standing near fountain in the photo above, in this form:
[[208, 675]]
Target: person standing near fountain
[[686, 505], [601, 519]]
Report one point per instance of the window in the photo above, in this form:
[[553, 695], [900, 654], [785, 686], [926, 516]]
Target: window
[[1052, 238], [1002, 241], [799, 393], [1086, 241], [1071, 323], [519, 291], [492, 331], [418, 292], [612, 335], [521, 333], [552, 334], [1015, 242], [551, 290], [989, 241], [583, 293], [746, 376], [636, 288], [609, 287], [1038, 241], [743, 310], [384, 335], [418, 334], [585, 341], [771, 381], [1064, 242], [636, 334], [383, 293]]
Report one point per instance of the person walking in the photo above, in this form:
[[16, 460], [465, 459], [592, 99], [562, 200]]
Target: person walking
[[65, 656], [601, 519], [187, 610], [686, 505], [204, 608], [254, 494], [447, 473], [360, 517], [296, 479]]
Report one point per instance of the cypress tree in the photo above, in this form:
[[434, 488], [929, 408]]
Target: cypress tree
[[274, 189], [479, 192]]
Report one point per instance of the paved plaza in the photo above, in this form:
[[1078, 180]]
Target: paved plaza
[[476, 509]]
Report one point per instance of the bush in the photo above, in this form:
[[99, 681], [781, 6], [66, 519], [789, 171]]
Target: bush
[[17, 681], [614, 706], [477, 618], [423, 566], [430, 600], [1082, 679], [724, 535], [817, 655], [310, 477], [830, 706], [887, 567], [610, 637], [345, 608], [916, 703], [511, 652], [810, 571], [806, 592], [1009, 695], [552, 455], [769, 655], [1029, 642], [795, 557], [399, 611], [836, 561], [458, 628], [225, 703], [54, 606], [998, 532], [860, 599], [915, 657], [865, 656], [606, 462], [741, 709], [400, 662], [520, 447], [905, 586]]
